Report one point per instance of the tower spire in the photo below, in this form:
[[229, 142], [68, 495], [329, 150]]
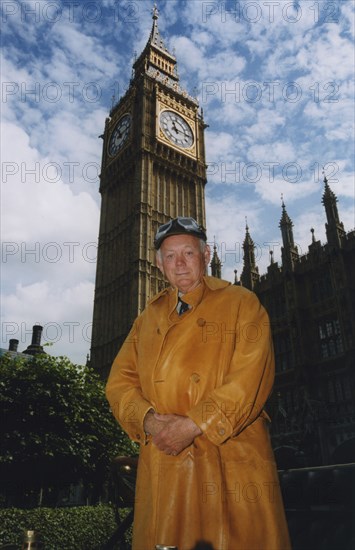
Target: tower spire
[[334, 227], [289, 251], [154, 37], [156, 60], [250, 273], [216, 265]]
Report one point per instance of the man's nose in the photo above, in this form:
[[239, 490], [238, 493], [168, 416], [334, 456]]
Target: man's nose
[[180, 259]]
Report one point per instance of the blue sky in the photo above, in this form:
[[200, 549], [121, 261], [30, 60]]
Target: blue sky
[[274, 79]]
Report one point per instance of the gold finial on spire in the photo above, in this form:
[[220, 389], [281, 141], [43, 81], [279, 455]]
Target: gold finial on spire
[[324, 176], [155, 11]]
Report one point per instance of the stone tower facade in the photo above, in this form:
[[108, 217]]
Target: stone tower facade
[[153, 169]]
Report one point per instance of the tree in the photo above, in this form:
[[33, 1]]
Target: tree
[[56, 425]]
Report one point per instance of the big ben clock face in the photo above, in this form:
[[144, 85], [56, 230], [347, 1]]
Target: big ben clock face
[[176, 129], [119, 135]]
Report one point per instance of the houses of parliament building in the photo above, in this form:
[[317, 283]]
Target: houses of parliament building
[[154, 169], [310, 299]]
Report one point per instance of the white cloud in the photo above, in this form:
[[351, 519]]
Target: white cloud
[[220, 64], [281, 152], [272, 191], [66, 328], [190, 55], [49, 245], [266, 125], [219, 143]]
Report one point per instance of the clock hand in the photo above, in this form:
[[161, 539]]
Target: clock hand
[[118, 137], [176, 129]]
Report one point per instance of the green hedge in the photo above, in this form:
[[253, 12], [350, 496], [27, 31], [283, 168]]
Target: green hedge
[[77, 528]]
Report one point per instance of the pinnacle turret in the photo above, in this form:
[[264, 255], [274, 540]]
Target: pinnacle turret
[[334, 227], [250, 273], [285, 218], [155, 59], [289, 251], [154, 38], [216, 265]]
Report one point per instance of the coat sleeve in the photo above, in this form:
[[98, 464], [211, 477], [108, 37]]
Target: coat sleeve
[[229, 409], [123, 389]]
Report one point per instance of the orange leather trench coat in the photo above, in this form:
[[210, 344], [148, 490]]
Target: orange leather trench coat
[[214, 364]]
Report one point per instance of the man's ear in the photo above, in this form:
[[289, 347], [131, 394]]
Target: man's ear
[[207, 254], [159, 262]]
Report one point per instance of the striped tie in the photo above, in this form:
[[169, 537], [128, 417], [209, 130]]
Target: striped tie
[[183, 306]]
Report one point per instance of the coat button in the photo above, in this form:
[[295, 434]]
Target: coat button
[[138, 436], [195, 377], [201, 322], [221, 431], [158, 330]]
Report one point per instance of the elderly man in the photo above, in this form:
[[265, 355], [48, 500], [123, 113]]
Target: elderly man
[[189, 384]]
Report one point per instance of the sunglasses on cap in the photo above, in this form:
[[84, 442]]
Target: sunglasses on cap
[[179, 226]]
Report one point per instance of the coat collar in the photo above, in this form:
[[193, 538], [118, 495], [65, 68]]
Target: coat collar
[[211, 282], [215, 284]]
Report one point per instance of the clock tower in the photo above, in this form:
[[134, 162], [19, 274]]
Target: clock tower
[[153, 169]]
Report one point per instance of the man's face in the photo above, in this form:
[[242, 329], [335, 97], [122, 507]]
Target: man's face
[[182, 262]]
